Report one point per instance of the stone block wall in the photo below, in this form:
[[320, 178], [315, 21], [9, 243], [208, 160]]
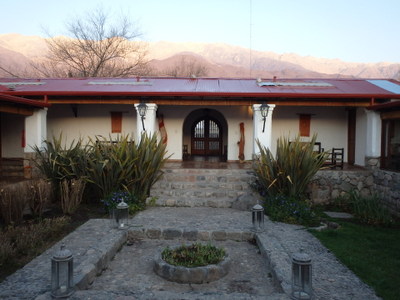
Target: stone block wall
[[329, 184], [387, 186]]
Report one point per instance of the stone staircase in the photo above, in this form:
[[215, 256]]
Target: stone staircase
[[201, 187]]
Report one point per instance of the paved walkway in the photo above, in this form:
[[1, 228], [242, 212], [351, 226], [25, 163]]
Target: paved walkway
[[255, 276]]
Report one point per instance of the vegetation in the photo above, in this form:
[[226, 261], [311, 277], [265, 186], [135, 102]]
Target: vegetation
[[366, 209], [372, 253], [282, 180], [194, 255], [20, 244]]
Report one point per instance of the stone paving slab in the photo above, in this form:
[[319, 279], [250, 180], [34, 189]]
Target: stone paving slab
[[94, 244]]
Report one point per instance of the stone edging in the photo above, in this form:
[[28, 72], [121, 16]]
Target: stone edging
[[198, 275]]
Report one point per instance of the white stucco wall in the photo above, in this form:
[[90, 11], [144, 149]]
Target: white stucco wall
[[11, 135], [361, 137], [91, 120], [330, 123]]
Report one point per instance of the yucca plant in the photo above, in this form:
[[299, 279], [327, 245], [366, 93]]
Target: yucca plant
[[290, 171], [57, 161], [126, 165], [111, 165]]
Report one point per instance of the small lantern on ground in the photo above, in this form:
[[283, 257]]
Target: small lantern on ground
[[301, 276], [257, 214], [122, 215], [62, 284]]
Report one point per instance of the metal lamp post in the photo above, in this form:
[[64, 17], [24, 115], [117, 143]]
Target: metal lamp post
[[62, 284], [301, 276], [142, 109], [257, 217], [264, 109]]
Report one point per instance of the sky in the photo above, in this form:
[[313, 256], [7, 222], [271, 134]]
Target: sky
[[350, 30]]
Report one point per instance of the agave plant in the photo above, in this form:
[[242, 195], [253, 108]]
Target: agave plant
[[290, 171]]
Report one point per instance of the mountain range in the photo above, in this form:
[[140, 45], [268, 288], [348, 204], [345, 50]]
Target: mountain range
[[216, 60]]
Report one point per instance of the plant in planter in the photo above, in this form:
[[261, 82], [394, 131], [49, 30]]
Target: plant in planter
[[194, 255], [195, 263]]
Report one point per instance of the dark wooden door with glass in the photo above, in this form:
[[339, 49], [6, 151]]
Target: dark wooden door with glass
[[207, 137]]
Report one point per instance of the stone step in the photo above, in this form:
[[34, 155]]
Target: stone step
[[236, 186], [173, 201], [199, 193]]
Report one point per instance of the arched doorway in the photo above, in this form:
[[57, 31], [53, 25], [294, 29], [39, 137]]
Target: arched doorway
[[205, 133]]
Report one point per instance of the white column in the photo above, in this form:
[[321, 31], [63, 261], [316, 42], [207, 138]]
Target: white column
[[373, 134], [36, 130], [149, 120], [265, 137]]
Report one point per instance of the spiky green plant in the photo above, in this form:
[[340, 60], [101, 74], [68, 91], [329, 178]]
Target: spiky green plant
[[57, 161], [290, 171], [126, 165]]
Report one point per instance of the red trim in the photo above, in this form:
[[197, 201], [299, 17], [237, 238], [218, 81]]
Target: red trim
[[19, 100], [23, 139]]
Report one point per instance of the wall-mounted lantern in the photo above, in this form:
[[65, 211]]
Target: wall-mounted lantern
[[62, 284], [264, 109], [257, 217], [301, 276], [142, 109]]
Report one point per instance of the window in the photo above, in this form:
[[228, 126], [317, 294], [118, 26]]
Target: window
[[391, 144], [116, 122], [304, 125]]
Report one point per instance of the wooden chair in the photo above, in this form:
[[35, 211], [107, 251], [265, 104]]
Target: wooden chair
[[337, 157]]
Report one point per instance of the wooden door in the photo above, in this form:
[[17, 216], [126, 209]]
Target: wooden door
[[206, 137]]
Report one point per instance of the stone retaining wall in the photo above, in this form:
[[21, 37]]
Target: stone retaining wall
[[387, 186], [329, 184]]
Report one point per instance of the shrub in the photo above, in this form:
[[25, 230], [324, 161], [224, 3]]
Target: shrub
[[7, 251], [290, 210], [40, 192], [111, 201], [126, 165], [12, 203], [292, 168], [369, 209], [194, 255], [71, 192]]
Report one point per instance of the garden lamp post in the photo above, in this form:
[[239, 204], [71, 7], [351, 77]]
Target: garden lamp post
[[62, 284], [257, 217], [142, 108], [264, 109], [301, 276], [122, 215]]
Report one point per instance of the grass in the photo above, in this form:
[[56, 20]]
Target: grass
[[372, 253]]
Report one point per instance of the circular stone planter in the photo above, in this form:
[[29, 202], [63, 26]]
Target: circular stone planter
[[181, 274]]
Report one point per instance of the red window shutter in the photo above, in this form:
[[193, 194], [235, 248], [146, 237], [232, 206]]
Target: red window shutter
[[304, 125], [116, 122]]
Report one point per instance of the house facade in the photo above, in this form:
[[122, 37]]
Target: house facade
[[207, 118]]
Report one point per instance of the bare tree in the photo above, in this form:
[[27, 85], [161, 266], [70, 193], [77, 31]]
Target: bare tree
[[96, 48], [187, 67]]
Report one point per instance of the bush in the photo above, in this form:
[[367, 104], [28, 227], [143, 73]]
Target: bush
[[71, 192], [111, 201], [290, 171], [290, 210], [12, 203], [39, 194], [369, 209], [194, 255]]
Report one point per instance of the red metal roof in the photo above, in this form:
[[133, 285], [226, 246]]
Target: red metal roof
[[202, 87]]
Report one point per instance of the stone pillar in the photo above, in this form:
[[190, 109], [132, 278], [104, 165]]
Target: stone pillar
[[265, 137], [373, 135], [36, 130], [149, 121]]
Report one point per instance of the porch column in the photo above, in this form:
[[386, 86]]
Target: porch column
[[373, 137], [149, 120], [35, 130], [265, 137]]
